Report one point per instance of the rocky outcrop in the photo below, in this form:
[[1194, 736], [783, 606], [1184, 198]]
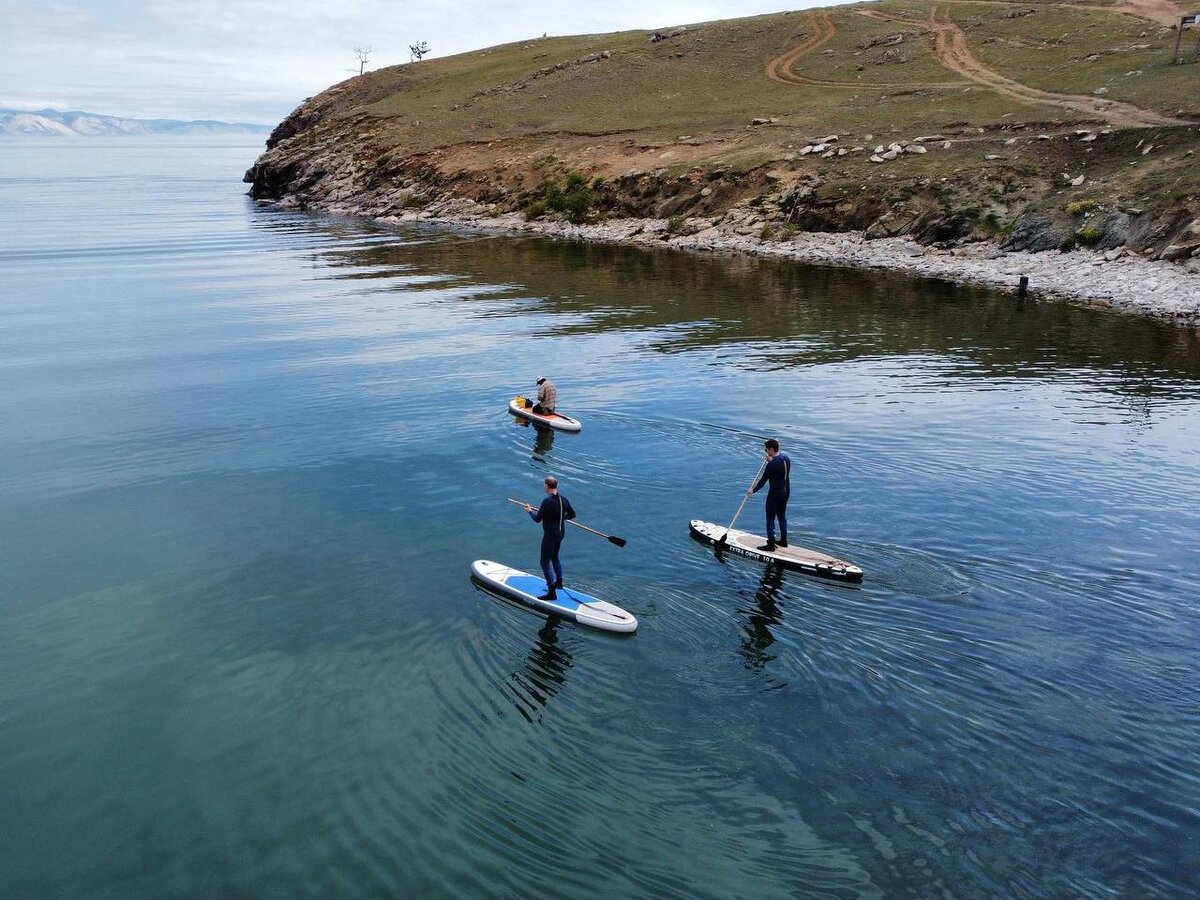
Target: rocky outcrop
[[1168, 234], [1040, 231], [1160, 230]]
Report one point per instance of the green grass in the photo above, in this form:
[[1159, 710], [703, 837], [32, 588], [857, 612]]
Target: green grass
[[711, 80], [850, 61], [1050, 49]]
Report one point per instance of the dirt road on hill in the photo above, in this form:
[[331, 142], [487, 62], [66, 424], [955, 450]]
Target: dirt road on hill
[[950, 45], [822, 29], [1164, 12]]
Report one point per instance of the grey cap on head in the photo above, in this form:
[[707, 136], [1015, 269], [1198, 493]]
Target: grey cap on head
[[540, 379]]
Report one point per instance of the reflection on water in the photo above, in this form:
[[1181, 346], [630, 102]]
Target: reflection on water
[[543, 437], [803, 315], [241, 653], [756, 648], [543, 441], [543, 675]]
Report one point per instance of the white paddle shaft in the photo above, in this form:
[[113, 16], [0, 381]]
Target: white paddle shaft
[[745, 497]]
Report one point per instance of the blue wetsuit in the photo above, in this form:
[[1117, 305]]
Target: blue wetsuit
[[553, 514], [779, 473]]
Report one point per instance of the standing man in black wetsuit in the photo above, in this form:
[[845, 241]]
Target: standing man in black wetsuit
[[553, 514], [778, 472]]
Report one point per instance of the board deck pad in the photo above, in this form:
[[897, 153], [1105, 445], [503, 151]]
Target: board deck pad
[[800, 559], [535, 587]]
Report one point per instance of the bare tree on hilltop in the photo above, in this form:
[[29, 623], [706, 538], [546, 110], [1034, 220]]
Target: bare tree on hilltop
[[363, 54], [418, 50]]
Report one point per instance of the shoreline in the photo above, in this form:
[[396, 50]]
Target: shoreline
[[1119, 280]]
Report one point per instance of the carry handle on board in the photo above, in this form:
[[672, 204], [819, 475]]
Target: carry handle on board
[[611, 538]]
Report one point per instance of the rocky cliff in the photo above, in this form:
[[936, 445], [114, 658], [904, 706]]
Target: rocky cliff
[[1032, 126]]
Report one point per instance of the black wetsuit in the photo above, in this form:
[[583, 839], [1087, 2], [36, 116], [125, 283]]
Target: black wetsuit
[[553, 514], [779, 473]]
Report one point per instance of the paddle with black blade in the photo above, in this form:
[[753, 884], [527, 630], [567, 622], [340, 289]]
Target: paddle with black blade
[[611, 538], [724, 539]]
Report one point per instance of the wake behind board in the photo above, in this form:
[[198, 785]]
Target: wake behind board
[[552, 420], [811, 562], [574, 606]]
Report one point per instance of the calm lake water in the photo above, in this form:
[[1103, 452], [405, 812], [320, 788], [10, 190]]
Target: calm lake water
[[247, 457]]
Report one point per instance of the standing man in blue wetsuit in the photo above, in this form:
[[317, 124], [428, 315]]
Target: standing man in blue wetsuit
[[777, 472], [553, 515]]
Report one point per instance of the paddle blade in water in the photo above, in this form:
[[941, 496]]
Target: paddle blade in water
[[620, 542]]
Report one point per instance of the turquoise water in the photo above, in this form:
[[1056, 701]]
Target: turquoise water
[[247, 458]]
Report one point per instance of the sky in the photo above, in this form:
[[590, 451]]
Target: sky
[[256, 60]]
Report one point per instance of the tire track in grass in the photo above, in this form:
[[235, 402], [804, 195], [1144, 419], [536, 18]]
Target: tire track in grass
[[822, 30], [950, 45]]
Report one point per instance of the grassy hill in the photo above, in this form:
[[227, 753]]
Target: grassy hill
[[665, 121]]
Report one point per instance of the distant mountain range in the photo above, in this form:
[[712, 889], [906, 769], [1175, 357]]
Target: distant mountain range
[[53, 123]]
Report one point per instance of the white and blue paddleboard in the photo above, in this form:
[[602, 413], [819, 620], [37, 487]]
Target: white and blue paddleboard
[[571, 605]]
